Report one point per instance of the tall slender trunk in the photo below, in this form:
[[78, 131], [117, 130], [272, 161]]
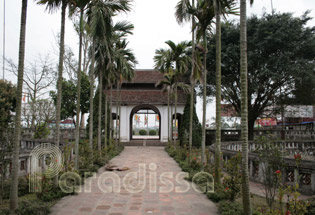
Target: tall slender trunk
[[168, 115], [59, 81], [17, 130], [91, 96], [77, 128], [60, 70], [176, 122], [191, 112], [218, 96], [105, 120], [192, 85], [172, 122], [99, 125], [204, 106], [117, 103], [119, 114], [111, 115], [244, 111]]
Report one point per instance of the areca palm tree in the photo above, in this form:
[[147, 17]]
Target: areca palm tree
[[17, 130], [168, 83], [204, 14], [176, 59], [125, 62], [244, 109], [182, 14], [100, 19], [52, 5], [79, 5], [221, 7]]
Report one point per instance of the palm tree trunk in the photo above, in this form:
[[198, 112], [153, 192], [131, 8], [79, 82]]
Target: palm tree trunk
[[59, 81], [119, 114], [117, 103], [192, 85], [217, 160], [204, 107], [171, 119], [17, 134], [244, 111], [105, 120], [111, 115], [60, 70], [191, 112], [168, 115], [91, 96], [77, 128], [176, 122], [99, 125]]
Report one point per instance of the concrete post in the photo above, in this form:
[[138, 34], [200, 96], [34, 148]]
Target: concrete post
[[251, 169], [313, 181], [296, 176]]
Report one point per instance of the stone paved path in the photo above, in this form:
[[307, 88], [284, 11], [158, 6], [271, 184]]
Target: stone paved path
[[146, 200]]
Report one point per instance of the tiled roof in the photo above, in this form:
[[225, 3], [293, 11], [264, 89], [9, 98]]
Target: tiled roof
[[147, 76], [147, 97]]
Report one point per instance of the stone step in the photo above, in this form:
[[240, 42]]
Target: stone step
[[144, 143]]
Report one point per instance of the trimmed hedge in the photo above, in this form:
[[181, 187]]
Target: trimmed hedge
[[152, 132], [143, 132]]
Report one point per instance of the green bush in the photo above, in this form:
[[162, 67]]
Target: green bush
[[143, 132], [184, 126], [41, 131], [311, 207], [228, 208], [152, 132], [49, 191], [4, 211], [23, 188], [217, 196], [32, 208]]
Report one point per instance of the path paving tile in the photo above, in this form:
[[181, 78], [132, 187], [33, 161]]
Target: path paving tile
[[141, 190]]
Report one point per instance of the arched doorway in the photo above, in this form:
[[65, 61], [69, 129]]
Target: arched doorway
[[145, 123]]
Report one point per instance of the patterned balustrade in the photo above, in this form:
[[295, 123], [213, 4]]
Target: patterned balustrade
[[304, 174]]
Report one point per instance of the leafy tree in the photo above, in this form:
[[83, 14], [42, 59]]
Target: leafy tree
[[69, 97], [280, 50], [41, 131], [95, 115], [185, 124], [7, 105]]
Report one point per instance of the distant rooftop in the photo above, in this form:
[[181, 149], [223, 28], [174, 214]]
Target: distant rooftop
[[147, 76]]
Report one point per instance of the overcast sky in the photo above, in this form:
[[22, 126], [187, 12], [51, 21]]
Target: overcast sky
[[154, 23]]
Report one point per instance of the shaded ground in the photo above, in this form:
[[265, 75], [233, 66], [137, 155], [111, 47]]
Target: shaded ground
[[142, 201]]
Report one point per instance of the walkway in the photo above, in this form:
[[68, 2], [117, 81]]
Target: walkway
[[146, 201]]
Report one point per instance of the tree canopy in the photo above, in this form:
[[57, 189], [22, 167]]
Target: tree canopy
[[7, 103], [281, 50], [69, 97]]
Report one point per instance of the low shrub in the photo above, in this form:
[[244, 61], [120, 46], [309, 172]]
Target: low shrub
[[217, 196], [32, 208], [4, 211], [23, 188], [152, 132], [49, 191], [143, 132], [228, 208]]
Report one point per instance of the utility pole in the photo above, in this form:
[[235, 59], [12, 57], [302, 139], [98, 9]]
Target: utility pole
[[271, 7]]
